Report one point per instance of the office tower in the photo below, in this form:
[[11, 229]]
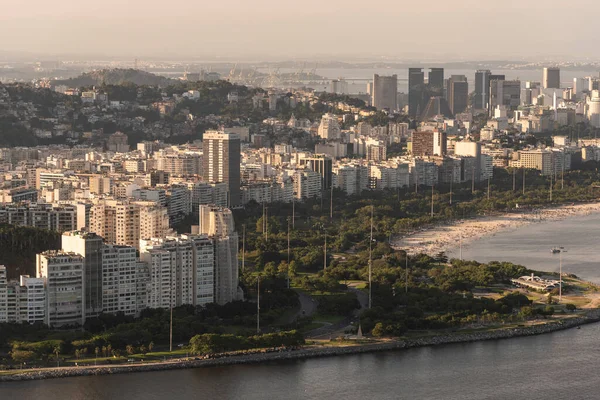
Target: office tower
[[457, 94], [181, 270], [429, 143], [435, 107], [119, 279], [504, 93], [482, 88], [416, 87], [329, 129], [551, 78], [88, 245], [221, 159], [436, 81], [217, 223], [321, 164], [63, 274], [385, 92]]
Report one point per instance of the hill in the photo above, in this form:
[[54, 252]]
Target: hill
[[117, 76]]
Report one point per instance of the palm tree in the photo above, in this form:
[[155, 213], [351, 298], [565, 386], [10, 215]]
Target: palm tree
[[56, 351], [151, 347]]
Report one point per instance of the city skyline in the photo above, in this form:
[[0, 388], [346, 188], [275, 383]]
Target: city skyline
[[273, 30]]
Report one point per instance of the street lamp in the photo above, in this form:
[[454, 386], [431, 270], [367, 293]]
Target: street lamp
[[560, 251]]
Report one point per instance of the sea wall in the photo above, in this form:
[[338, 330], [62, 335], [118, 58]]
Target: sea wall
[[592, 316]]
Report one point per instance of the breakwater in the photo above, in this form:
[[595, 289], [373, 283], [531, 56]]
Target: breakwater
[[327, 351]]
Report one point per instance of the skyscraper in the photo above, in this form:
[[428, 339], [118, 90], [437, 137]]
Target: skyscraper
[[482, 86], [436, 82], [551, 78], [416, 87], [218, 224], [385, 92], [458, 93], [89, 246], [221, 162]]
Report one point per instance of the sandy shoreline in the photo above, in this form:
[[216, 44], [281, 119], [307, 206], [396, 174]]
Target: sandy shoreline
[[447, 237]]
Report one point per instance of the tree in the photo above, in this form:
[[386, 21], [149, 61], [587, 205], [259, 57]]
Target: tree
[[97, 351], [22, 356], [56, 351], [130, 349], [570, 307], [151, 347], [378, 330], [143, 349]]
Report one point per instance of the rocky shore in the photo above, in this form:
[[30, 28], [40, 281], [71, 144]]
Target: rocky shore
[[552, 326]]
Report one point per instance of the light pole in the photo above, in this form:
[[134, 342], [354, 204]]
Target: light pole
[[561, 250], [258, 307]]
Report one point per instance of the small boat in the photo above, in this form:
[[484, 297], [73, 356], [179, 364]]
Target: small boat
[[555, 250]]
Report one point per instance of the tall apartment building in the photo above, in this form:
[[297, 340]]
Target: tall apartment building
[[217, 223], [221, 162], [100, 184], [89, 246], [63, 274], [429, 143], [125, 223], [551, 78], [119, 279], [385, 92], [470, 149], [307, 184], [32, 299], [329, 129], [457, 93], [181, 270], [179, 164], [54, 217], [321, 164]]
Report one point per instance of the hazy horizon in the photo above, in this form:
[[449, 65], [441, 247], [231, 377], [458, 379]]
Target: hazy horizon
[[269, 29]]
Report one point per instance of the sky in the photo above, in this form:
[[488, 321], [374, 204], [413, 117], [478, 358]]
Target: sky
[[284, 29]]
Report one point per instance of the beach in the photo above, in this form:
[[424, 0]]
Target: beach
[[447, 237]]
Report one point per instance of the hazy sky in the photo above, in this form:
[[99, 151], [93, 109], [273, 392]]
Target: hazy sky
[[302, 28]]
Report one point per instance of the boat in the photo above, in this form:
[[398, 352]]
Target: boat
[[555, 250]]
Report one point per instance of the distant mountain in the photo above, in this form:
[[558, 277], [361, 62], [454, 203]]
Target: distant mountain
[[117, 76]]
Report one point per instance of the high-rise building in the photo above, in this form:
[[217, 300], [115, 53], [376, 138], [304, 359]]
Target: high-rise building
[[181, 270], [551, 78], [329, 129], [322, 164], [435, 82], [89, 246], [125, 223], [119, 279], [416, 87], [217, 223], [385, 92], [429, 143], [483, 78], [63, 275], [221, 162], [457, 93], [504, 93]]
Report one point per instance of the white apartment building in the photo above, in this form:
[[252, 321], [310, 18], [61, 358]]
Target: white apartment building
[[218, 224], [329, 129], [65, 290], [181, 270], [307, 184], [119, 279]]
